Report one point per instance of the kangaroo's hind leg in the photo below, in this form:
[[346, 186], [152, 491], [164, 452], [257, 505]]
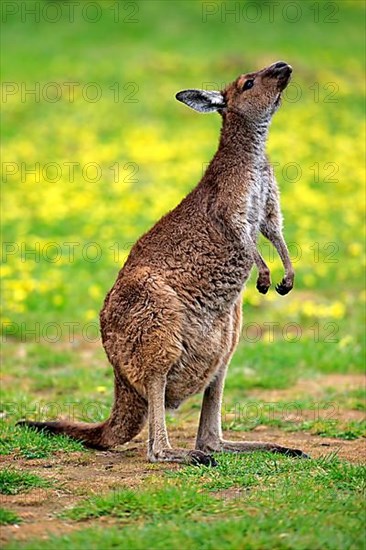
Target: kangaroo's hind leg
[[209, 436], [144, 344], [159, 449]]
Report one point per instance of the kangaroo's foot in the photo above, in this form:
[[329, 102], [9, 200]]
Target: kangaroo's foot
[[221, 445], [182, 456], [285, 285]]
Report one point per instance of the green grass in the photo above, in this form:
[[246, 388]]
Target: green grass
[[273, 503], [151, 505], [250, 533], [7, 517], [316, 417], [331, 428], [28, 443], [13, 482]]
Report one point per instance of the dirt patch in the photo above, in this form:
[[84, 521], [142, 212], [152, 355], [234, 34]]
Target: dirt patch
[[73, 476], [313, 388]]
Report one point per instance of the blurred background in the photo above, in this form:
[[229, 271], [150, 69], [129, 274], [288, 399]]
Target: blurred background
[[96, 149]]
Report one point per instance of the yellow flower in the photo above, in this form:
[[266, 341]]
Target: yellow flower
[[90, 314], [309, 308], [355, 249], [6, 270], [337, 310], [58, 299], [19, 294], [95, 291], [343, 342]]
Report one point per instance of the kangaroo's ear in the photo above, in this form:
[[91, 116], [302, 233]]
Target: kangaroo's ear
[[203, 101]]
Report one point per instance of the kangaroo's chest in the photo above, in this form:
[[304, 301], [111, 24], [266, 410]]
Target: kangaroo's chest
[[248, 212], [255, 206]]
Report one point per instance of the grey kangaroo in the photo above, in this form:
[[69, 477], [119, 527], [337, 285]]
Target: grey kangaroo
[[172, 320]]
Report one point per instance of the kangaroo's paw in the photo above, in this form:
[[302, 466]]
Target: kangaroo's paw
[[285, 286], [182, 456]]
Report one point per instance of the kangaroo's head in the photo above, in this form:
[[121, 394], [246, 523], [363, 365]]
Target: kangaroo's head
[[255, 96]]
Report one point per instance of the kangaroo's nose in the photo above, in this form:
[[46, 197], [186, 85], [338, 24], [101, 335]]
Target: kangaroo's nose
[[280, 65], [279, 70]]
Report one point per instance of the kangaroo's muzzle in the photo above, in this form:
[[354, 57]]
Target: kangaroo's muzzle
[[282, 72]]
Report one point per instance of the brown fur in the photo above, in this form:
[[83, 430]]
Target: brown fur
[[171, 322]]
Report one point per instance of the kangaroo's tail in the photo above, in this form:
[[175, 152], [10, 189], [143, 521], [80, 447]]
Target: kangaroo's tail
[[94, 436], [126, 421]]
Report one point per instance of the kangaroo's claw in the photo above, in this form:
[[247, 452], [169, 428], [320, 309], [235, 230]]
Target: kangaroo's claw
[[262, 288], [284, 287]]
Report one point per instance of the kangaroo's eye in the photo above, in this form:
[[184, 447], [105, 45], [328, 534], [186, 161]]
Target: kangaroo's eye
[[248, 84]]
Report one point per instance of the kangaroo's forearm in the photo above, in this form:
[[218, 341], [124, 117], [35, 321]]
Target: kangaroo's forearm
[[276, 238]]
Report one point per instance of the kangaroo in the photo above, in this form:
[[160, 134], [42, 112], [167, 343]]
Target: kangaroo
[[172, 320]]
